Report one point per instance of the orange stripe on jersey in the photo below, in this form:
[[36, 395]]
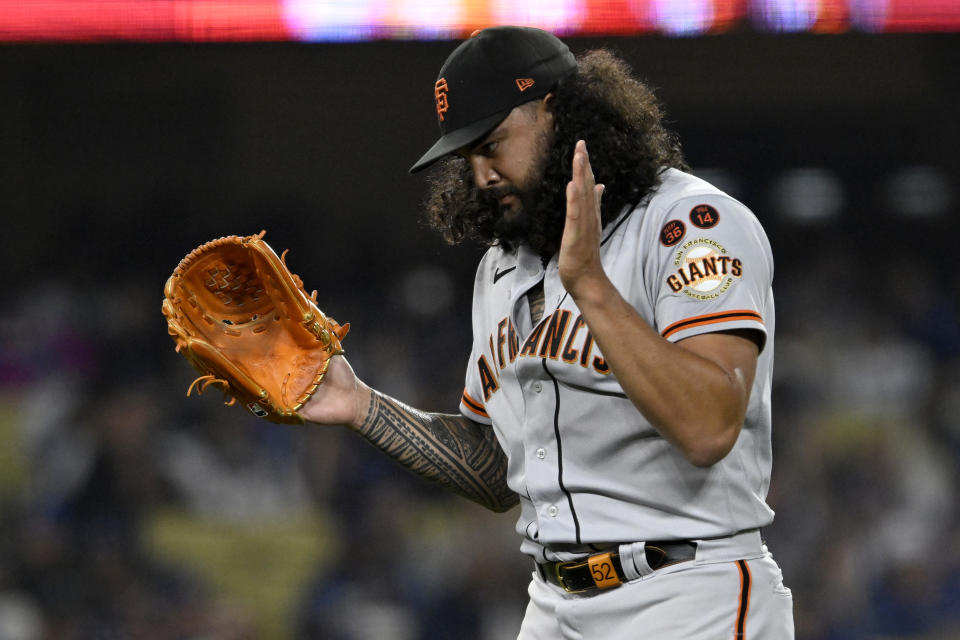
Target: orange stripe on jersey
[[473, 405], [740, 633], [712, 318]]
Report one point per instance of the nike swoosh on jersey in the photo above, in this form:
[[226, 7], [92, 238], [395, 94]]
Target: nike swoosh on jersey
[[497, 274]]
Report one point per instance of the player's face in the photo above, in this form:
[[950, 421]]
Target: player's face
[[507, 164]]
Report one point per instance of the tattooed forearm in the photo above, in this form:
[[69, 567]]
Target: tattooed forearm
[[448, 449]]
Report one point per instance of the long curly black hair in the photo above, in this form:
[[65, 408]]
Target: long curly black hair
[[621, 121]]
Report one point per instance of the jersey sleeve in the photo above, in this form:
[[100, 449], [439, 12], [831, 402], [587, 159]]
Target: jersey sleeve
[[471, 402], [473, 409], [714, 269]]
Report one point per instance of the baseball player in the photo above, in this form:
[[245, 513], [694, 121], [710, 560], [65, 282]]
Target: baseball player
[[619, 383]]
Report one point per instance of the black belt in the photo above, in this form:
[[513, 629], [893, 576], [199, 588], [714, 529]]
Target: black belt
[[604, 570]]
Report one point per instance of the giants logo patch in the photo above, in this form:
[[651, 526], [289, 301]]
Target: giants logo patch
[[704, 270]]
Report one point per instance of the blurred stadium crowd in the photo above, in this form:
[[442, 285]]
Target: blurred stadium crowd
[[129, 511]]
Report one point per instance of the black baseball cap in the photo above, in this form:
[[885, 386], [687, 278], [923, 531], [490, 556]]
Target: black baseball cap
[[489, 74]]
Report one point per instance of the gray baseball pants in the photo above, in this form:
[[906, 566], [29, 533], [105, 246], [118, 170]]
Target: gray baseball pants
[[733, 589]]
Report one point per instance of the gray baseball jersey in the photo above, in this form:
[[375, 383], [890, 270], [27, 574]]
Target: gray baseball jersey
[[588, 467]]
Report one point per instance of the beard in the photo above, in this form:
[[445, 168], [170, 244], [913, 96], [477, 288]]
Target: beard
[[512, 225], [459, 210], [539, 215]]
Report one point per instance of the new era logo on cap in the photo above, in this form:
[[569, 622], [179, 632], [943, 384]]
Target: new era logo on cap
[[524, 83]]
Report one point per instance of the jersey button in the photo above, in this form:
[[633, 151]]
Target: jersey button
[[541, 453], [553, 511], [537, 387]]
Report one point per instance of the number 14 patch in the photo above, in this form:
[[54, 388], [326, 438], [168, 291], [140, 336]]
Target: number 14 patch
[[704, 216]]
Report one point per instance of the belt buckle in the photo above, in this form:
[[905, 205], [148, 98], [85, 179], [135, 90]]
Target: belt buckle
[[560, 579]]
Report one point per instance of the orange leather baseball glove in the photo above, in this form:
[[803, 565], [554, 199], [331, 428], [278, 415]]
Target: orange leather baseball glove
[[244, 321]]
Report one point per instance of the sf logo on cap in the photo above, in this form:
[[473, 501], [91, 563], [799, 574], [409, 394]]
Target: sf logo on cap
[[440, 93]]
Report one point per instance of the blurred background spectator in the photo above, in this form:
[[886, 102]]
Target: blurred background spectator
[[129, 511]]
